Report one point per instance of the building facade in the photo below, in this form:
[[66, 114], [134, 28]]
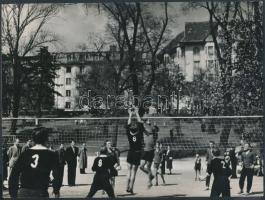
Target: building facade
[[192, 52], [72, 64]]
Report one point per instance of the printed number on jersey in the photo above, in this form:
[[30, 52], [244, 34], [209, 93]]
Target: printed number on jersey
[[100, 163], [134, 138], [35, 161]]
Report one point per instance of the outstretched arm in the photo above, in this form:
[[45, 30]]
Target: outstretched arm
[[130, 116], [137, 114]]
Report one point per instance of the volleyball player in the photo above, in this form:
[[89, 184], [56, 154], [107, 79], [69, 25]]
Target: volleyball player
[[33, 168], [102, 165], [113, 154], [148, 154], [158, 155], [134, 132]]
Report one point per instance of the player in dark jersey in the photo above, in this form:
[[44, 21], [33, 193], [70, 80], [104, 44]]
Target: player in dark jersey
[[113, 154], [134, 131], [148, 154], [33, 168], [102, 165]]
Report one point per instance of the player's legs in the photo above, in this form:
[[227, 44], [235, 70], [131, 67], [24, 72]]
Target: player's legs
[[149, 172], [129, 176], [162, 177], [109, 190], [242, 180], [133, 176], [142, 166], [249, 179], [156, 173], [92, 191]]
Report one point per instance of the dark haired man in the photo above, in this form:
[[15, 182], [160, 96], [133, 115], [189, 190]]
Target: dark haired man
[[14, 153], [71, 154], [221, 172], [248, 159], [33, 168], [209, 157]]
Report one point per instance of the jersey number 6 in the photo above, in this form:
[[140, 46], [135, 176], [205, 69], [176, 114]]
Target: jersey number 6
[[35, 162]]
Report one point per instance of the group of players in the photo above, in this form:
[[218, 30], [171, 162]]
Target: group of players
[[224, 167], [30, 174]]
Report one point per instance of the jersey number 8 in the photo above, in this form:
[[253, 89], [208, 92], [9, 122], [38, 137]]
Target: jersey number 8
[[134, 138], [36, 161], [100, 163]]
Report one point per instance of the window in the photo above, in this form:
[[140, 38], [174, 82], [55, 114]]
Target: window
[[81, 57], [196, 51], [68, 69], [68, 93], [210, 51], [196, 70], [196, 67], [67, 104], [68, 58], [81, 69], [210, 77], [210, 64], [166, 58], [68, 81]]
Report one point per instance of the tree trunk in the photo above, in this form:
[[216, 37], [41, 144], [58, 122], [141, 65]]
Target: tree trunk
[[16, 94]]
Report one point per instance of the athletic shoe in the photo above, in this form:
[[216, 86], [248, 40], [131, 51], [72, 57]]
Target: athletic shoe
[[131, 191], [240, 192], [152, 177], [247, 193], [149, 185]]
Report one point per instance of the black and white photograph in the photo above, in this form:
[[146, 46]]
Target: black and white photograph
[[132, 99]]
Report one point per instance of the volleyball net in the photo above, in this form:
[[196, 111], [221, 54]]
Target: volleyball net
[[185, 135]]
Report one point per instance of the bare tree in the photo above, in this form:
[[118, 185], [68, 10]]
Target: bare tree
[[23, 32], [154, 31]]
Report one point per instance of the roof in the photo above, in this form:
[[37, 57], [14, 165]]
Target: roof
[[196, 31], [171, 46]]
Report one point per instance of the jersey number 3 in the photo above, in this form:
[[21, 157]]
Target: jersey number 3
[[36, 161]]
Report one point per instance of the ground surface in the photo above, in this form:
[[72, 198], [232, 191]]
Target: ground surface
[[180, 184]]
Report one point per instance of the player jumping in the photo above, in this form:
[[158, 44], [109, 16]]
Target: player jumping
[[148, 154], [134, 132]]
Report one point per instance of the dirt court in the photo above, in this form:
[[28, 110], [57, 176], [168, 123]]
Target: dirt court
[[180, 184]]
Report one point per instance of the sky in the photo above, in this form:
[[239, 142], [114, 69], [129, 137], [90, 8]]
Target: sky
[[74, 25]]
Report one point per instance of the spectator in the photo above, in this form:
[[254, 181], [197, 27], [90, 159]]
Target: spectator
[[233, 159], [83, 159], [14, 153], [209, 157], [61, 155], [5, 165], [248, 159], [169, 159], [71, 159]]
